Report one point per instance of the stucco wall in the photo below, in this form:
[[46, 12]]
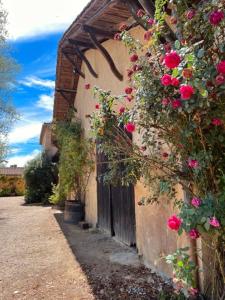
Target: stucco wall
[[153, 238]]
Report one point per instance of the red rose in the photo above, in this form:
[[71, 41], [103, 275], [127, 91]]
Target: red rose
[[176, 104], [140, 13], [166, 80], [97, 106], [175, 82], [172, 60], [117, 36], [190, 14], [216, 17], [220, 79], [217, 122], [194, 234], [129, 73], [128, 90], [87, 86], [130, 127], [186, 92], [165, 154], [147, 35], [122, 109], [134, 58], [221, 67], [123, 27], [174, 222]]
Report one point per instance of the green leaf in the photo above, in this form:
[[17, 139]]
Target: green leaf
[[180, 263], [207, 226], [177, 45], [204, 93], [203, 219], [175, 72]]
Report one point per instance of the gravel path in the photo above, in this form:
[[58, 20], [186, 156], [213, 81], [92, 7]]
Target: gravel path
[[44, 258], [35, 260]]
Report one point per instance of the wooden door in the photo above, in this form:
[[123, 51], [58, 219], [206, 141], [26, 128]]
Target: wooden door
[[116, 207]]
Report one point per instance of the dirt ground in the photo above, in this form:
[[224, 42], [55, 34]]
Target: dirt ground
[[44, 258]]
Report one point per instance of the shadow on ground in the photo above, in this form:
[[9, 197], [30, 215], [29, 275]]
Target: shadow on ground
[[113, 270]]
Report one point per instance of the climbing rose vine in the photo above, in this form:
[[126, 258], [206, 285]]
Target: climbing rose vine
[[177, 78]]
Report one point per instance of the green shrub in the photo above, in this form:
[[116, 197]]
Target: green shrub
[[40, 175]]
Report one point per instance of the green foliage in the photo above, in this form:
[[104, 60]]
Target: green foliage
[[39, 175], [75, 163]]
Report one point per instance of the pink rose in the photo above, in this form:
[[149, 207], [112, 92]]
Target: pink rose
[[129, 98], [97, 106], [221, 67], [175, 82], [190, 14], [193, 163], [134, 58], [130, 127], [151, 22], [194, 234], [172, 60], [123, 27], [117, 36], [193, 291], [128, 90], [214, 222], [176, 104], [87, 86], [122, 109], [137, 68], [196, 202], [220, 79], [217, 122], [140, 13], [174, 222], [186, 92], [216, 17], [166, 80], [129, 73], [165, 101]]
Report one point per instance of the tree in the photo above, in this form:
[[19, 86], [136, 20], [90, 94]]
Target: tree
[[8, 69]]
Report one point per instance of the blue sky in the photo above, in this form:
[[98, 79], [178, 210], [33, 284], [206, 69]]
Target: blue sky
[[35, 28]]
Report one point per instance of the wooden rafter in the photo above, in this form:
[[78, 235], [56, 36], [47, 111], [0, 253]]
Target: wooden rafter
[[81, 43], [148, 6], [86, 61], [64, 93], [92, 34], [76, 70], [98, 31], [133, 8]]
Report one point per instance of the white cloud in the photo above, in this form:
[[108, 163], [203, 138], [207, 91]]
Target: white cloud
[[21, 160], [25, 132], [28, 18], [46, 102], [32, 81]]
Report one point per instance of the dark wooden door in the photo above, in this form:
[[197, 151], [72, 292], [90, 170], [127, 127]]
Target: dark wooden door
[[116, 207]]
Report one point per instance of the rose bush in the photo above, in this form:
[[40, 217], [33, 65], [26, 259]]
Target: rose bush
[[179, 109]]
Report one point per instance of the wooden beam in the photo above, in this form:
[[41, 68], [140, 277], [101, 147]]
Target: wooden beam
[[133, 8], [98, 31], [86, 61], [65, 90], [148, 6], [104, 52], [76, 70], [80, 43]]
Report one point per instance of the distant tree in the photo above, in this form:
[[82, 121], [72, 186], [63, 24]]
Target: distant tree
[[8, 70]]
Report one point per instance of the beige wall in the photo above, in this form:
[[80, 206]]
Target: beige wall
[[153, 238], [46, 142]]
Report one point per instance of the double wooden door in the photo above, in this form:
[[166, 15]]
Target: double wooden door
[[116, 207]]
